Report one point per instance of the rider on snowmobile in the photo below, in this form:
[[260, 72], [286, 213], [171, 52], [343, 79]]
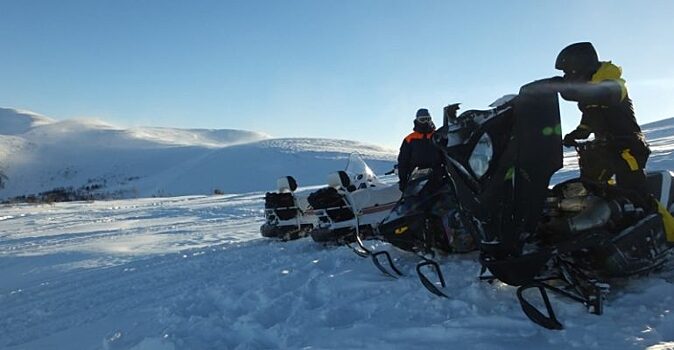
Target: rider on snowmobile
[[607, 111], [417, 149]]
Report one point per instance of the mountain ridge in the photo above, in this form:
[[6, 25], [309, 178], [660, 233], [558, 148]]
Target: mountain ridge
[[39, 154]]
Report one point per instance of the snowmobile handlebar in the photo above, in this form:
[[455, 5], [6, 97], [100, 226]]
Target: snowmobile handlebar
[[585, 144]]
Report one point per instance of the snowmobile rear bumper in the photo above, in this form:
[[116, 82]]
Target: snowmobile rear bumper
[[326, 235], [285, 232]]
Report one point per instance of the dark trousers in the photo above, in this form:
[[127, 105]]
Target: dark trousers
[[599, 164]]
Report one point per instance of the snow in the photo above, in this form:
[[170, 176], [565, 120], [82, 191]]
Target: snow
[[192, 272], [15, 121], [39, 154]]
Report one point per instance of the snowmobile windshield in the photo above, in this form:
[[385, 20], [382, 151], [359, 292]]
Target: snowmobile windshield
[[419, 173], [360, 173], [422, 193], [417, 181]]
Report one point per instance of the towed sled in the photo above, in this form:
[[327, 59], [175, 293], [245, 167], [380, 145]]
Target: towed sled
[[287, 213]]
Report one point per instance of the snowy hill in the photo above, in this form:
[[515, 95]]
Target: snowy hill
[[13, 121], [193, 273], [38, 154]]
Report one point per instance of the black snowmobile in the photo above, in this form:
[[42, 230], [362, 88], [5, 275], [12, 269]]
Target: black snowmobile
[[571, 239], [426, 221], [426, 218]]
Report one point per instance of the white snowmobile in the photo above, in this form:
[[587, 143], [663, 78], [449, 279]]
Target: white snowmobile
[[355, 201], [287, 213], [570, 240]]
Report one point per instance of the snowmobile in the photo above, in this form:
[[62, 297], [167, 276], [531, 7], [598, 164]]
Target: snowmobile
[[425, 219], [571, 240], [287, 214], [355, 201], [426, 222]]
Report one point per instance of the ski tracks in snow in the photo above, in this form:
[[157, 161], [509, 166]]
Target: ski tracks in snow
[[190, 273]]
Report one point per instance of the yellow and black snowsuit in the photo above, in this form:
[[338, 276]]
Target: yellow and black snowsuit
[[608, 113]]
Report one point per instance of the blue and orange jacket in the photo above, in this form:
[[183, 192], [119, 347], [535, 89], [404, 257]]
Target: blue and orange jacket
[[417, 150]]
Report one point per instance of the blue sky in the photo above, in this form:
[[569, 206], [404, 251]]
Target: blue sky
[[351, 69]]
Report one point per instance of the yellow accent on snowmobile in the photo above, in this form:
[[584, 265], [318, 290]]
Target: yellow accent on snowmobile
[[667, 221], [629, 158], [401, 230]]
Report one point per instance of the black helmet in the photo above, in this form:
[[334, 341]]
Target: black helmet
[[578, 59]]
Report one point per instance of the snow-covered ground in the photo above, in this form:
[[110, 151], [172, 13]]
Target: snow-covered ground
[[192, 272]]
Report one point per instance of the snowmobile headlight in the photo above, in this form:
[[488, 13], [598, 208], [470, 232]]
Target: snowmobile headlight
[[481, 156]]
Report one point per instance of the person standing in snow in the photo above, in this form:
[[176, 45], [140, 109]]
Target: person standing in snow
[[607, 111], [417, 149]]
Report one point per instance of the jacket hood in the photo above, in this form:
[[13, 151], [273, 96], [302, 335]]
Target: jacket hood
[[607, 71]]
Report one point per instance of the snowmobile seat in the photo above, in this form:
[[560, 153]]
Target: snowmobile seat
[[375, 196], [286, 184], [340, 179], [283, 204], [329, 199], [660, 186]]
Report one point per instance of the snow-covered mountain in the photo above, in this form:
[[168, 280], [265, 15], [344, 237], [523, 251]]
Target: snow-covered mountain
[[39, 154]]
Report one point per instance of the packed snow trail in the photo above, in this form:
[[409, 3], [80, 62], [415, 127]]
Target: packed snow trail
[[191, 273]]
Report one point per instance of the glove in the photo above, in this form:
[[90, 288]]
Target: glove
[[578, 134], [569, 140]]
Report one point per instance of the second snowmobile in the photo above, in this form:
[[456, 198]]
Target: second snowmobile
[[355, 200], [426, 218]]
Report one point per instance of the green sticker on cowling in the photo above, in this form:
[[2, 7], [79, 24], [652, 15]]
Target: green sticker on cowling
[[549, 130], [509, 173]]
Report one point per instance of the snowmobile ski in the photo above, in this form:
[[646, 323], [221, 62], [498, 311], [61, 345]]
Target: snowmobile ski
[[427, 282]]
